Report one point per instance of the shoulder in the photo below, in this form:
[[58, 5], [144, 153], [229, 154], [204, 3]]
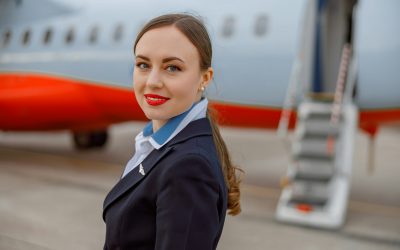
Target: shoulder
[[188, 163], [193, 153], [195, 138], [198, 147], [194, 156]]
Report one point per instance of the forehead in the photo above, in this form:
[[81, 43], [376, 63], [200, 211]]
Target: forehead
[[164, 42]]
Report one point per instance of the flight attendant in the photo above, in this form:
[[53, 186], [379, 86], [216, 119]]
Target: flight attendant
[[176, 189]]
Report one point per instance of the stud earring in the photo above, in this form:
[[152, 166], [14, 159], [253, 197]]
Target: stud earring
[[202, 88]]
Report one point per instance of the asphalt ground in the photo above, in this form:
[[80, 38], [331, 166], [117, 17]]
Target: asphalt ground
[[51, 195]]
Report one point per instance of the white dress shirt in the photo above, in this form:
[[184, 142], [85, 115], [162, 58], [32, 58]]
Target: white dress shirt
[[146, 141]]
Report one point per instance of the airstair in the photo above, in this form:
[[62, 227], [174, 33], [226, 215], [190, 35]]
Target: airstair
[[319, 174], [317, 183]]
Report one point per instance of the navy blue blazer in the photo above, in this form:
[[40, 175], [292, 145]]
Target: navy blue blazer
[[179, 203]]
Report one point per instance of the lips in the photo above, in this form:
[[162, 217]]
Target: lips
[[155, 100]]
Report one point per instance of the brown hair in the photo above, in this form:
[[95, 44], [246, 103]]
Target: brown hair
[[197, 33]]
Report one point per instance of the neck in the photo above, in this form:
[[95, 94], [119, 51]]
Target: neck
[[157, 124]]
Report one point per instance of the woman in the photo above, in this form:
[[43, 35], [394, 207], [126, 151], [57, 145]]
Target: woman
[[176, 189]]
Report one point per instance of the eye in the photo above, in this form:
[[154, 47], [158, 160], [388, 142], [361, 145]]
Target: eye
[[142, 65], [172, 68]]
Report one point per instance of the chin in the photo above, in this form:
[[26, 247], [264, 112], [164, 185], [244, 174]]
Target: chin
[[151, 115]]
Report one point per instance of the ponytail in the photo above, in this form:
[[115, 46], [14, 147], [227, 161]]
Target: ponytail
[[228, 169]]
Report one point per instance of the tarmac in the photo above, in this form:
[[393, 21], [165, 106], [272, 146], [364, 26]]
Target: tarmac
[[51, 195]]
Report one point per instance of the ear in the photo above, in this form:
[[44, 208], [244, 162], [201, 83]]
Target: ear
[[207, 76]]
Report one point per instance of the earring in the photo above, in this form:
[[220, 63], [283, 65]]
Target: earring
[[202, 88]]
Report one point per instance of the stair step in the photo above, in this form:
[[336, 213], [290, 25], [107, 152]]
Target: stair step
[[314, 147], [311, 178], [308, 201], [313, 170], [309, 192], [317, 127], [321, 96], [315, 110]]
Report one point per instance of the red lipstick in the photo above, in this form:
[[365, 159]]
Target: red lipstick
[[155, 100]]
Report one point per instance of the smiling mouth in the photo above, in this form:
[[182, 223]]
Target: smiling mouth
[[155, 100]]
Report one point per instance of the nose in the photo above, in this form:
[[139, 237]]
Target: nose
[[154, 79]]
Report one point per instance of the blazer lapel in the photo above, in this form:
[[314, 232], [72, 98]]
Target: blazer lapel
[[134, 176], [200, 127]]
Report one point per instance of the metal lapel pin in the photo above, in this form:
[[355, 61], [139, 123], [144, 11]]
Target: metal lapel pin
[[141, 170]]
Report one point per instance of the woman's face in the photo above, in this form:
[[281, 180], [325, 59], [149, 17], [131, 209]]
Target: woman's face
[[167, 76]]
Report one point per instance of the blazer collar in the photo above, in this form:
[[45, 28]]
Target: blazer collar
[[200, 127], [133, 177]]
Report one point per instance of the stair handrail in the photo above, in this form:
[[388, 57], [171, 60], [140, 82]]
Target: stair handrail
[[290, 99], [343, 86], [341, 83], [351, 80]]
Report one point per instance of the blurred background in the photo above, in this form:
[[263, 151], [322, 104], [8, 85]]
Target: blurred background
[[307, 92]]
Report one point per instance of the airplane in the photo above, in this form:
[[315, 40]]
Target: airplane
[[321, 67]]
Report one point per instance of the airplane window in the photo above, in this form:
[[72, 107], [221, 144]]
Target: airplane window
[[6, 38], [69, 36], [228, 27], [26, 37], [48, 34], [261, 25], [93, 35], [118, 32]]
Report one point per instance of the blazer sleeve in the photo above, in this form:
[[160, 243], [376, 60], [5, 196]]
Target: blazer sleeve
[[187, 211]]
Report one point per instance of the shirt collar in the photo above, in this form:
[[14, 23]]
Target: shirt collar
[[162, 135]]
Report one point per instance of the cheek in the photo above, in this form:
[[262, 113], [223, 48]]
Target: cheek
[[137, 82], [138, 87], [187, 87]]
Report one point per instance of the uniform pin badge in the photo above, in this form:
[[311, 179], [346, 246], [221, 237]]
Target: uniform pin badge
[[141, 170]]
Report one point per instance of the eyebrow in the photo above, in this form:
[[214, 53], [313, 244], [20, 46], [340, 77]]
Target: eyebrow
[[171, 58]]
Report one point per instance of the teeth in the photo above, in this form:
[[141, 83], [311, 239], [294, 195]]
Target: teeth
[[154, 99]]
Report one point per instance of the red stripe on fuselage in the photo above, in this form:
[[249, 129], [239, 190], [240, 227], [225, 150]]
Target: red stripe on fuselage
[[42, 102]]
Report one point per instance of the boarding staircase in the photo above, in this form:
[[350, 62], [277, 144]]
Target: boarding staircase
[[317, 183]]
